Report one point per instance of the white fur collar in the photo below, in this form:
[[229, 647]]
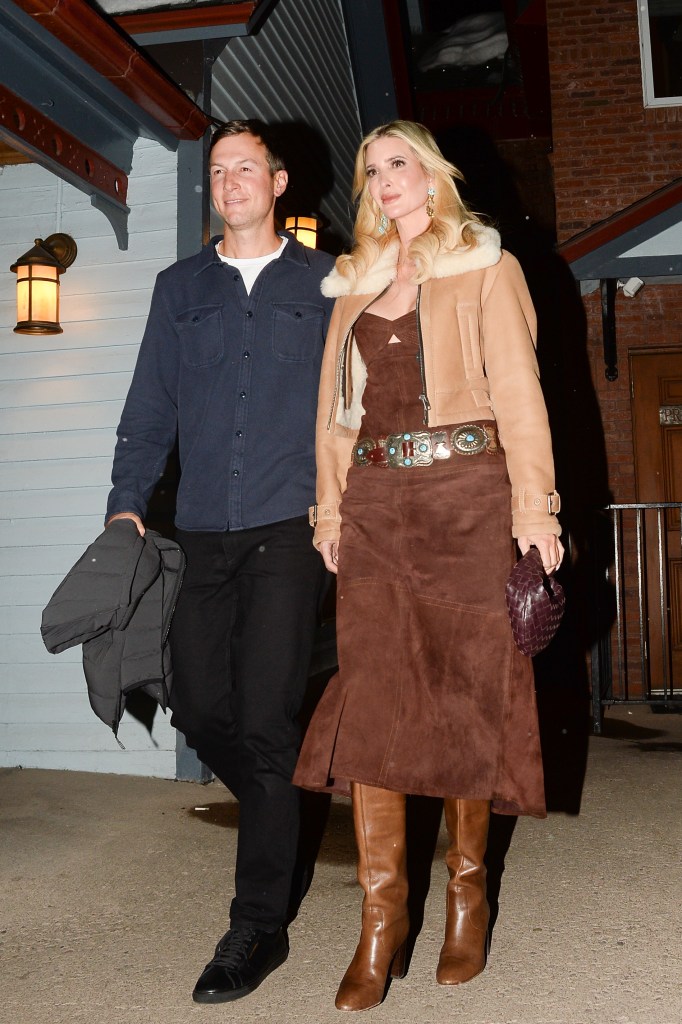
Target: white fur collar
[[448, 264]]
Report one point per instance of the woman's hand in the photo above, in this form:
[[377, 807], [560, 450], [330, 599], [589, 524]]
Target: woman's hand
[[550, 547], [329, 549]]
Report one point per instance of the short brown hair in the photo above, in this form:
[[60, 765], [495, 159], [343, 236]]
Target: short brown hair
[[259, 130]]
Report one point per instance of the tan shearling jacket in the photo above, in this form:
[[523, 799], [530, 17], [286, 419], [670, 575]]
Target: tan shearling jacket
[[478, 331]]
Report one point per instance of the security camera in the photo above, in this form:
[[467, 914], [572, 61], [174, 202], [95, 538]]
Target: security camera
[[631, 286]]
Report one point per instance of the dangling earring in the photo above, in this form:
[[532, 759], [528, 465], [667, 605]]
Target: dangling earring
[[430, 196], [383, 224]]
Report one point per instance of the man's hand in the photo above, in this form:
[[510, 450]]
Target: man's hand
[[129, 515]]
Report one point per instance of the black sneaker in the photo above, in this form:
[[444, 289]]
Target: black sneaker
[[243, 958]]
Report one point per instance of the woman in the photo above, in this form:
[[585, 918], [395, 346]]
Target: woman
[[429, 406]]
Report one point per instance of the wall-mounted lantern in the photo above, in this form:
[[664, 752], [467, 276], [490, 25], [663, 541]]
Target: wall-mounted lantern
[[304, 229], [38, 273]]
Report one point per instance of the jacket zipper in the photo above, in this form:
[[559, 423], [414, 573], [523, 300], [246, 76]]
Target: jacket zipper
[[341, 361], [340, 366], [174, 601], [423, 398]]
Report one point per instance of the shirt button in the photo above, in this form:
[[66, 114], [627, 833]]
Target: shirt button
[[236, 277], [249, 313], [242, 394], [235, 472], [238, 434], [247, 355]]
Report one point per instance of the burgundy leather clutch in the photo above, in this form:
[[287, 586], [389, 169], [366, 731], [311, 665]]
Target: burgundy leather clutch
[[535, 602]]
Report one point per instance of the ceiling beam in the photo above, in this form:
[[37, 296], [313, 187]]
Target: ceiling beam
[[115, 57], [30, 130], [235, 15], [77, 94]]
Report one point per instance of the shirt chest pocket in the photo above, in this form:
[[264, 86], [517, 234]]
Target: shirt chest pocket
[[200, 332], [296, 330]]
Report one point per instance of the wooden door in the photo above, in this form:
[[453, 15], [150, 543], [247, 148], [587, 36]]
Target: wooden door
[[656, 378]]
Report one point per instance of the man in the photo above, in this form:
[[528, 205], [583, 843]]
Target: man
[[229, 365]]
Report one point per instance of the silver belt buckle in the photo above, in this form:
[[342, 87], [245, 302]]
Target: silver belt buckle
[[413, 448]]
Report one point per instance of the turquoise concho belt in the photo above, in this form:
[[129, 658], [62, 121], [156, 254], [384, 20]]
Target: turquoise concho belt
[[426, 447]]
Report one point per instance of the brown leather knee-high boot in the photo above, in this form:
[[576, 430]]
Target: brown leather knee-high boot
[[466, 929], [379, 818]]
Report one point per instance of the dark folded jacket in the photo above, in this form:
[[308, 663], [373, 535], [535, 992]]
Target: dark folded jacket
[[118, 601]]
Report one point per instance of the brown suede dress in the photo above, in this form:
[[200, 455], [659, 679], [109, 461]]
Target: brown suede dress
[[431, 697]]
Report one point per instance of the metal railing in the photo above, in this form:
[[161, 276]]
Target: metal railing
[[632, 655]]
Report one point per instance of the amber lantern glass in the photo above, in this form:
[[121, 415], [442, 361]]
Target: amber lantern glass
[[304, 229], [38, 272]]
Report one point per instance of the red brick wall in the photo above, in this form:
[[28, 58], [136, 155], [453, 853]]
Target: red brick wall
[[609, 152]]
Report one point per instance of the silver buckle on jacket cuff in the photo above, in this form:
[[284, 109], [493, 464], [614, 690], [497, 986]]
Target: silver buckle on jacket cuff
[[318, 513], [529, 502]]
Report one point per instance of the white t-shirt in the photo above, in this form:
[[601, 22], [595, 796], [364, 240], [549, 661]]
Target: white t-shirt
[[251, 268]]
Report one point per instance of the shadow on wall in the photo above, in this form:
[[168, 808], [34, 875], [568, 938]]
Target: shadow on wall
[[581, 470], [311, 178]]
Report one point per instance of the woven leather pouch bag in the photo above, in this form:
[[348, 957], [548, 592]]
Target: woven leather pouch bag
[[535, 602]]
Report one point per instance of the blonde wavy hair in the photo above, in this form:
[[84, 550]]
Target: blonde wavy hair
[[453, 226]]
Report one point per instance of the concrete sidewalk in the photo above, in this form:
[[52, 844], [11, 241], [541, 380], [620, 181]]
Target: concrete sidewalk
[[115, 890]]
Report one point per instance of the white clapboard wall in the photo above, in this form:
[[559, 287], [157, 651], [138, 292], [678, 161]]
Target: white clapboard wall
[[60, 401]]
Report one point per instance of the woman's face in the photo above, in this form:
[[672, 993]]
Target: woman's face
[[397, 182]]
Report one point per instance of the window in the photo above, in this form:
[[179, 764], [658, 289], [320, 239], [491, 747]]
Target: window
[[660, 34]]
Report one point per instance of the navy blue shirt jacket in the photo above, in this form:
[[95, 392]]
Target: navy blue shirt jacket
[[235, 377]]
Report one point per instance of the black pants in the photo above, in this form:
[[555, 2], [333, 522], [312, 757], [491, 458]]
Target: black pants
[[241, 642]]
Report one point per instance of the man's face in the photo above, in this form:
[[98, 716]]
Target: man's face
[[242, 188]]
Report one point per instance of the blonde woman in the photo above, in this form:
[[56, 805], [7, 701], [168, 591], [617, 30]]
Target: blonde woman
[[434, 462]]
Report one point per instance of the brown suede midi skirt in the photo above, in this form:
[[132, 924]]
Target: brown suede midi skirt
[[432, 696]]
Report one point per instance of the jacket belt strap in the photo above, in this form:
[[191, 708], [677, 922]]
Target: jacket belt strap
[[320, 513], [528, 502]]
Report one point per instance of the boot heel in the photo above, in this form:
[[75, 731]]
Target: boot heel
[[399, 962]]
